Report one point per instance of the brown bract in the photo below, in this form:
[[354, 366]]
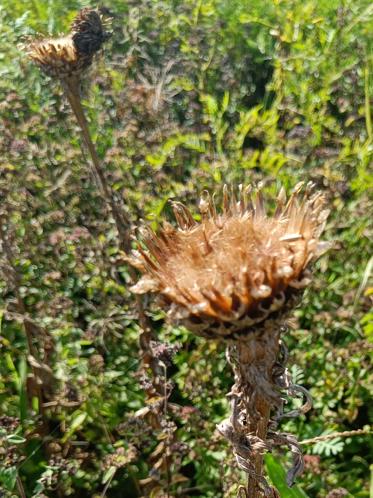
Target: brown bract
[[230, 272], [70, 55], [58, 57]]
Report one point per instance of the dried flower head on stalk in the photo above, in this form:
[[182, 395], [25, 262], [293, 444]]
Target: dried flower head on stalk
[[58, 57], [66, 59], [71, 55], [227, 274], [234, 275]]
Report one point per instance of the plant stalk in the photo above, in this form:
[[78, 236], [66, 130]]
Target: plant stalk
[[256, 359], [259, 428], [253, 396], [71, 86], [149, 362], [72, 91]]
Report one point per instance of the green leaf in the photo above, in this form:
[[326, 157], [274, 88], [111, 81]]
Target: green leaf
[[225, 102], [109, 474], [277, 475], [22, 379], [8, 477], [10, 365], [210, 105], [297, 374], [14, 439], [188, 141], [76, 423], [329, 447]]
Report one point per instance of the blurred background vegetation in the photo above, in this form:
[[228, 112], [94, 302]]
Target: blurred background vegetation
[[187, 94]]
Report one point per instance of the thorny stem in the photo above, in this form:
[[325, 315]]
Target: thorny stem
[[257, 406], [255, 364]]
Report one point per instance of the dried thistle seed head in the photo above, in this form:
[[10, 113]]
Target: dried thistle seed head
[[230, 272], [87, 31], [70, 55], [58, 57]]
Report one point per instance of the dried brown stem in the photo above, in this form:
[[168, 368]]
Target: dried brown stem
[[257, 406], [256, 359], [259, 427], [21, 489], [149, 361], [334, 435], [72, 89], [71, 86]]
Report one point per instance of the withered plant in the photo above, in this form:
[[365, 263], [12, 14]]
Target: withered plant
[[234, 276], [66, 59]]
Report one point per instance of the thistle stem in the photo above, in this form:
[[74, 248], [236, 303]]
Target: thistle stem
[[71, 86], [72, 91], [259, 428], [256, 359], [253, 396]]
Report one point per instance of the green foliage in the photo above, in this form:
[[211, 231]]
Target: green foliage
[[8, 477], [278, 477], [328, 447], [187, 95]]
